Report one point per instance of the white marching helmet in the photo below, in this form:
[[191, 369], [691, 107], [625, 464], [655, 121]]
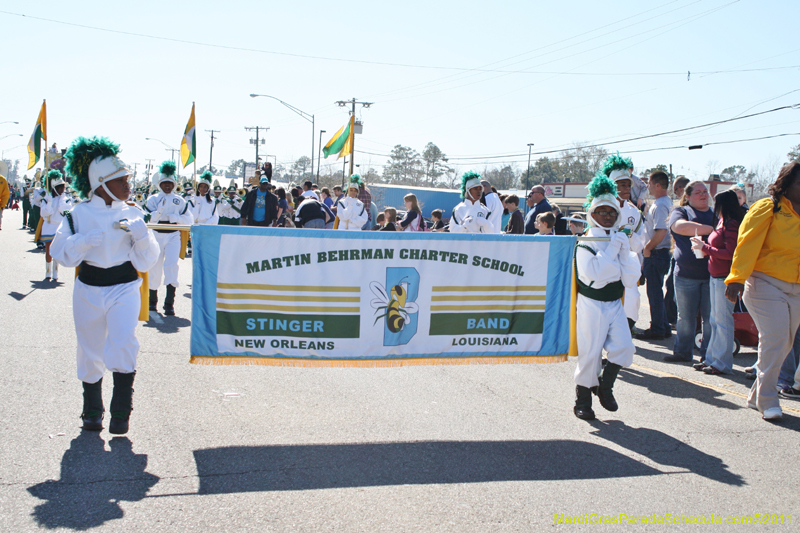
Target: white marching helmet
[[104, 169]]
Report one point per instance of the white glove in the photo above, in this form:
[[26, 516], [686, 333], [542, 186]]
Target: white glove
[[481, 222], [138, 229], [467, 220], [91, 239], [620, 241]]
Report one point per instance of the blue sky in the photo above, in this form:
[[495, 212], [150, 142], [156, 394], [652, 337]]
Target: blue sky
[[553, 73]]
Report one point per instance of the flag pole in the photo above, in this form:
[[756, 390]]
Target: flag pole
[[194, 140], [352, 138]]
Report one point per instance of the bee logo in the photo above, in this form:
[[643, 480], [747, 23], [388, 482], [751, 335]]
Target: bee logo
[[394, 305]]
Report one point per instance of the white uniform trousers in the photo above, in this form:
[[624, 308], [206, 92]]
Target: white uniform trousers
[[170, 244], [632, 303], [601, 325], [105, 324]]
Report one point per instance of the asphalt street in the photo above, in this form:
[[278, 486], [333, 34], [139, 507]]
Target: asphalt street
[[436, 448]]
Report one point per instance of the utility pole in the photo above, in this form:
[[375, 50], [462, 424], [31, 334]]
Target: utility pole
[[211, 151], [135, 165], [148, 170], [319, 159], [353, 102], [256, 140]]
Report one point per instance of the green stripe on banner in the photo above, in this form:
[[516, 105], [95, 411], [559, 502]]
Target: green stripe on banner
[[490, 323], [288, 325]]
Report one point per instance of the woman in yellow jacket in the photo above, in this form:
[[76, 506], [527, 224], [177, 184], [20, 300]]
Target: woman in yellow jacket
[[766, 268]]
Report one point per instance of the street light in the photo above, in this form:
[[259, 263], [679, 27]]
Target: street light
[[169, 149], [319, 155], [11, 135], [302, 114], [9, 122]]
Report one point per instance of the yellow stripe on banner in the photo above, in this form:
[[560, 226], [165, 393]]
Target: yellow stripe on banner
[[286, 288], [481, 298], [374, 363], [490, 288], [487, 307], [283, 297], [288, 308]]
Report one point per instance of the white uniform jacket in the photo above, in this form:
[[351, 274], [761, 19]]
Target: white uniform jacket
[[630, 217], [230, 208], [52, 211], [495, 206], [168, 208], [608, 264], [352, 214], [471, 217], [118, 246], [38, 194], [205, 212]]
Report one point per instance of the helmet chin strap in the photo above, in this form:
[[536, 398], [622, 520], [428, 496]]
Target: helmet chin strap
[[111, 194]]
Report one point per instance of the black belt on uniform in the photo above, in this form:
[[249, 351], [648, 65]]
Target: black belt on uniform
[[106, 277]]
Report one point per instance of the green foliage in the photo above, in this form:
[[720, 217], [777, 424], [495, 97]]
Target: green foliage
[[404, 168], [81, 154], [794, 153]]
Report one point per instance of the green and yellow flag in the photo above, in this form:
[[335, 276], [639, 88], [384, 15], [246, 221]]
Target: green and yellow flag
[[39, 134], [188, 143], [342, 142]]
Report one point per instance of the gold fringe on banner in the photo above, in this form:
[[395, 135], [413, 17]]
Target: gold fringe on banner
[[373, 363]]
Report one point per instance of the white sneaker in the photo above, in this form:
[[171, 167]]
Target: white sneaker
[[773, 413]]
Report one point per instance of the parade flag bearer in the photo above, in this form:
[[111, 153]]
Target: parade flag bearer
[[166, 207], [106, 301], [603, 270]]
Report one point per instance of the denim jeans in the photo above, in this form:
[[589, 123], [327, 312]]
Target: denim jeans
[[317, 223], [787, 376], [669, 297], [693, 296], [654, 269], [720, 345]]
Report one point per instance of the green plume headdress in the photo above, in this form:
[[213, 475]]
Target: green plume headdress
[[466, 178], [168, 168], [53, 175], [356, 179], [600, 185], [206, 176], [81, 154], [615, 162]]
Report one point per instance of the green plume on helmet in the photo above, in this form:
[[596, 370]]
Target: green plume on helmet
[[168, 168], [81, 154], [52, 176], [600, 184], [468, 175], [356, 179], [206, 176], [615, 162]]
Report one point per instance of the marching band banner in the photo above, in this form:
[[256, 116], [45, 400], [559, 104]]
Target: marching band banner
[[276, 296]]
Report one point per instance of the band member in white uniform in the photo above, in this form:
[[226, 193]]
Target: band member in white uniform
[[351, 211], [166, 207], [53, 206], [230, 208], [631, 221], [604, 269], [106, 301], [206, 206], [471, 216]]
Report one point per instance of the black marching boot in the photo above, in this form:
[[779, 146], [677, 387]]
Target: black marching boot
[[153, 300], [169, 301], [583, 403], [121, 403], [92, 415], [604, 392]]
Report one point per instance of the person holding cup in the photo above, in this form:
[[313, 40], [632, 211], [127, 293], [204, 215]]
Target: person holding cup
[[719, 249], [694, 217]]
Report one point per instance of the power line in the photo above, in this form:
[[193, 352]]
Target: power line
[[403, 65]]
